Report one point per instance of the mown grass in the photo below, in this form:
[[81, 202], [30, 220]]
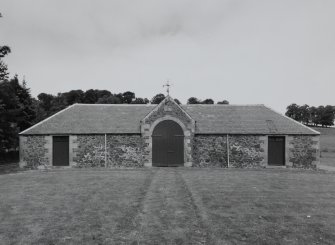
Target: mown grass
[[168, 206]]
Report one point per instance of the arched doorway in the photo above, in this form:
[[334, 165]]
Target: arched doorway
[[168, 144]]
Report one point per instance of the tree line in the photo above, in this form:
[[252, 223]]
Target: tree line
[[312, 116]]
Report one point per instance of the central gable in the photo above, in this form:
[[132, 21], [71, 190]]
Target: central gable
[[168, 107]]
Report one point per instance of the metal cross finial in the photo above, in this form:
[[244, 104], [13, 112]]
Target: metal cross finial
[[167, 85]]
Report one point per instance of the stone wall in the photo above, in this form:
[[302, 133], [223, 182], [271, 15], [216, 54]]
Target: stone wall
[[122, 151], [303, 151], [90, 151], [210, 151], [125, 150], [207, 151], [35, 151], [244, 151], [247, 151]]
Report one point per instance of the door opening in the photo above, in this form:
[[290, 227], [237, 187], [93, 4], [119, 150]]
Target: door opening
[[168, 144], [276, 150]]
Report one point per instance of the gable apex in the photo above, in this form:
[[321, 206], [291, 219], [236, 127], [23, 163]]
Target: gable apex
[[167, 107]]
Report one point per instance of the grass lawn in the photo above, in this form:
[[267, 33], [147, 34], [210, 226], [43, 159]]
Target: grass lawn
[[168, 206]]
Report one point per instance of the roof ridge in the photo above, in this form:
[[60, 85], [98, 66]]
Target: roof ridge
[[86, 104], [223, 105]]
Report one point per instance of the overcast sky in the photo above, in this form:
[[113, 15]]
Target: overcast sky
[[248, 52]]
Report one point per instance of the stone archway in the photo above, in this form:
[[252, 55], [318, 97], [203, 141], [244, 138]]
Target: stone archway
[[167, 144]]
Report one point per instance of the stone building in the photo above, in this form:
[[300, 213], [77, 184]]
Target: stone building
[[168, 134]]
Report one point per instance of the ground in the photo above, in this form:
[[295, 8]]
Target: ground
[[168, 206]]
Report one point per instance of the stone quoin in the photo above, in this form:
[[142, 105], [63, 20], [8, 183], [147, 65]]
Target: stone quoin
[[168, 134]]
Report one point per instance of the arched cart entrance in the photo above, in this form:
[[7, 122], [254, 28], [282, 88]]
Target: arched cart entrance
[[168, 144]]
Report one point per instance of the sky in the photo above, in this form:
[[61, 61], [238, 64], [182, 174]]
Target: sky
[[247, 52]]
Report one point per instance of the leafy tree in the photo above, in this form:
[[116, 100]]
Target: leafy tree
[[293, 111], [140, 101], [73, 96], [207, 101], [25, 102], [16, 112], [305, 114], [91, 96], [193, 100], [3, 71], [45, 100], [127, 97], [9, 112], [320, 115], [109, 100], [102, 93], [224, 102], [58, 103], [327, 118], [4, 50], [313, 111], [158, 98]]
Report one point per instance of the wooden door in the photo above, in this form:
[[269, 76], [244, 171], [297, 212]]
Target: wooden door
[[276, 150], [167, 144], [60, 153]]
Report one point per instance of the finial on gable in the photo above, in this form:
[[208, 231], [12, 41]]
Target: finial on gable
[[167, 85]]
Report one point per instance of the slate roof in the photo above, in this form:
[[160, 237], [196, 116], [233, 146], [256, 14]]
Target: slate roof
[[210, 119]]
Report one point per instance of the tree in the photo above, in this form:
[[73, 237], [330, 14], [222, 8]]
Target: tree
[[224, 102], [73, 96], [109, 100], [327, 118], [313, 111], [16, 112], [91, 96], [293, 111], [158, 98], [45, 100], [304, 114], [3, 71], [102, 93], [4, 50], [9, 112], [25, 103], [193, 100], [127, 97], [140, 101], [321, 115], [207, 101]]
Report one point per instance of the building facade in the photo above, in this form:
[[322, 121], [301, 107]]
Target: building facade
[[168, 134]]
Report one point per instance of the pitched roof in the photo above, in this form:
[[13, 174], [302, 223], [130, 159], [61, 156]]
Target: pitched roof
[[210, 119], [244, 119]]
